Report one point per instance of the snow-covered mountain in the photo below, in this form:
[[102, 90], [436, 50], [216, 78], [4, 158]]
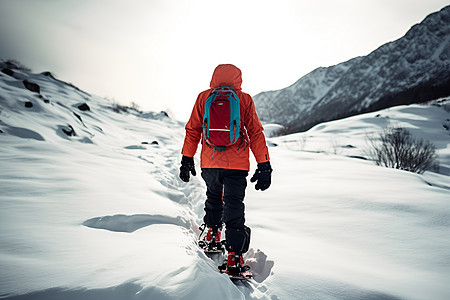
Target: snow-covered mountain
[[91, 207], [412, 69]]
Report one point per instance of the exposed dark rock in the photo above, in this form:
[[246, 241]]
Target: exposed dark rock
[[165, 114], [70, 131], [43, 98], [34, 87], [84, 107], [8, 72], [358, 157], [1, 131], [152, 143], [28, 104], [78, 116]]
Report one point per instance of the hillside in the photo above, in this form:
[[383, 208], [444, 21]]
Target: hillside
[[412, 69]]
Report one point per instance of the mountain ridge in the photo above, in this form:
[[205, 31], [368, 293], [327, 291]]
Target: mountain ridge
[[412, 69]]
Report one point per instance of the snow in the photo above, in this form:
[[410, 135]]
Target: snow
[[103, 215], [416, 64]]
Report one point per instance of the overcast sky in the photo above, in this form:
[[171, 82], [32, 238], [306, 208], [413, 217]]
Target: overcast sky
[[161, 53]]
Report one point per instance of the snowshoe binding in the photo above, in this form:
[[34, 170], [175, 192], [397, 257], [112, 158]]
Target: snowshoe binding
[[209, 240], [235, 268]]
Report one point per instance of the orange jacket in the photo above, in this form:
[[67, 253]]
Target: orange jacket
[[237, 155]]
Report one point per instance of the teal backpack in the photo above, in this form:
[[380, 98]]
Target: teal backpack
[[222, 118]]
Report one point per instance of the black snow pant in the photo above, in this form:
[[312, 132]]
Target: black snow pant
[[225, 204]]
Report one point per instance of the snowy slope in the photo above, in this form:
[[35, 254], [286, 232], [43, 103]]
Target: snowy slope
[[102, 215], [412, 69], [359, 231]]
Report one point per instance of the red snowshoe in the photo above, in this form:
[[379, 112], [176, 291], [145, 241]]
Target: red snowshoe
[[209, 240], [235, 268]]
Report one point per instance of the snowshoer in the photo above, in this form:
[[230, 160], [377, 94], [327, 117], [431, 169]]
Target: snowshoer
[[224, 169]]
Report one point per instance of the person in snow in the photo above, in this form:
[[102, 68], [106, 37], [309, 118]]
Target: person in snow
[[225, 172]]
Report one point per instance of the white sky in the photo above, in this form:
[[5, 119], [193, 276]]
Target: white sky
[[161, 53]]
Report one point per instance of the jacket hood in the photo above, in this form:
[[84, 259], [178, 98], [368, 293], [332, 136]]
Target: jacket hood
[[228, 75]]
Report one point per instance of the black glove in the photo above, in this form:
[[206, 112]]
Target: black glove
[[187, 165], [263, 175]]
